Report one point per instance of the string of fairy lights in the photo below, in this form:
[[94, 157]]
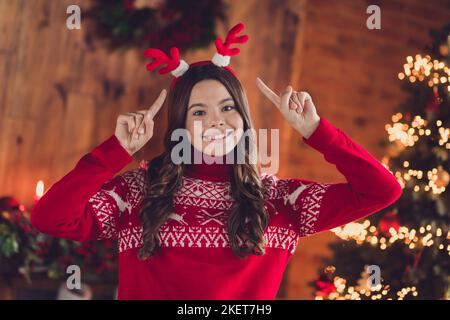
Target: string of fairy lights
[[364, 232], [377, 292], [407, 136], [424, 69]]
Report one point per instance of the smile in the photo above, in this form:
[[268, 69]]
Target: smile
[[221, 136]]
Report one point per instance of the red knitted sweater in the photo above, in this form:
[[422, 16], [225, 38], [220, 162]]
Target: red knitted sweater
[[196, 260]]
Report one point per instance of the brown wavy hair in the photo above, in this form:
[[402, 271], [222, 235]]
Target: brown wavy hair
[[248, 218]]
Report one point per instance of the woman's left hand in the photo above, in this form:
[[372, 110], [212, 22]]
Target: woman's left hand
[[296, 107]]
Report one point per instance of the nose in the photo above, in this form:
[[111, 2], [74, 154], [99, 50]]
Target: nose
[[216, 122], [219, 123]]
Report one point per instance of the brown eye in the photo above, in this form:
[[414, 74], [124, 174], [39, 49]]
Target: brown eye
[[198, 113], [228, 108]]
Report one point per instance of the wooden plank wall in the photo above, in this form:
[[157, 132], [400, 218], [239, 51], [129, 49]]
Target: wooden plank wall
[[61, 91]]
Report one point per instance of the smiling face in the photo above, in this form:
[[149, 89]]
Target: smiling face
[[213, 120]]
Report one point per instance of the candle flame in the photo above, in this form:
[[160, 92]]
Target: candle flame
[[39, 188]]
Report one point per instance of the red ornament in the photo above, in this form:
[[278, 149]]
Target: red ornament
[[325, 288], [11, 210], [408, 116], [389, 220], [434, 103], [142, 165], [9, 204]]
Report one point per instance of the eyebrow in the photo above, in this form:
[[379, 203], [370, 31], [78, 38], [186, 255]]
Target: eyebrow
[[203, 105]]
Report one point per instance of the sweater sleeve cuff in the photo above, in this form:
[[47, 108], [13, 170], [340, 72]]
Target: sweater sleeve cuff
[[112, 154], [323, 136]]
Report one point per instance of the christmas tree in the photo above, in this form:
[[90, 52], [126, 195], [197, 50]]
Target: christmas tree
[[410, 240]]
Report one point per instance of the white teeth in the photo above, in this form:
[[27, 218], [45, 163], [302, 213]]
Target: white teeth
[[217, 136]]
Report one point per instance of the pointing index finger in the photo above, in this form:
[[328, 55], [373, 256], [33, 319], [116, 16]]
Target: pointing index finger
[[153, 110], [268, 92]]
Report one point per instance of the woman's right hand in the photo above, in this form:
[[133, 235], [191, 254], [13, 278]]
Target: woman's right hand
[[135, 129]]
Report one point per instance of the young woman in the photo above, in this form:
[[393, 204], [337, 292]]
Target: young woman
[[209, 231]]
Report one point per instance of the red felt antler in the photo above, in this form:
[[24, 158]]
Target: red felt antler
[[224, 48], [161, 58]]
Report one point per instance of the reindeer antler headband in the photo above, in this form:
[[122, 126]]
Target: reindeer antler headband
[[177, 67]]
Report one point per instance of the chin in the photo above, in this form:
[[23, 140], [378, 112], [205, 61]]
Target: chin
[[217, 149]]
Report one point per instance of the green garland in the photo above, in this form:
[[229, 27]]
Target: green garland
[[24, 250], [125, 24]]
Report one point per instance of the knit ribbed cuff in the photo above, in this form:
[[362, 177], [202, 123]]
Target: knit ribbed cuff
[[323, 136]]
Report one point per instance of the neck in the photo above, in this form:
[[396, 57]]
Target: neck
[[206, 166]]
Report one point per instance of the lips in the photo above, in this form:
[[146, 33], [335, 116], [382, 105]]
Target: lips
[[216, 137]]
